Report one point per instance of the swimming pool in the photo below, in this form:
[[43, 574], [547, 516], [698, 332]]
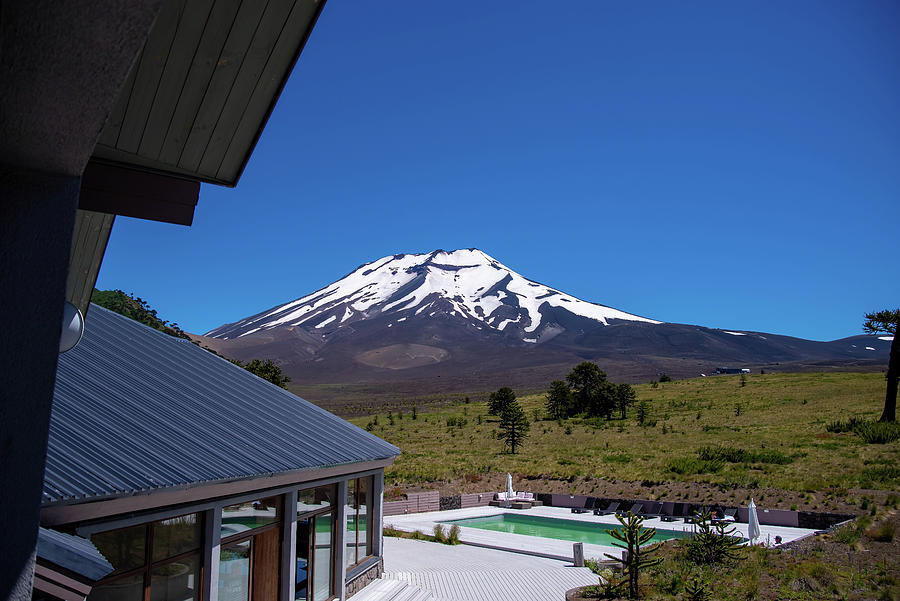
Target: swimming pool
[[560, 529]]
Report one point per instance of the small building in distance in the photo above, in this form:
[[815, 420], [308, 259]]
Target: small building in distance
[[732, 370], [196, 479]]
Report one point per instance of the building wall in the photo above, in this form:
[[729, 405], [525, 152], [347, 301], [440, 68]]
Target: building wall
[[344, 584]]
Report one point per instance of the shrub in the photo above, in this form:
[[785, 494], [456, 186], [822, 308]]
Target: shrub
[[733, 455], [878, 432], [453, 536], [880, 474], [391, 531], [439, 535], [687, 466], [883, 533], [665, 378], [846, 535]]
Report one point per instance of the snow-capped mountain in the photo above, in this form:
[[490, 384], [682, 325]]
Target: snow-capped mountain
[[465, 283], [461, 321]]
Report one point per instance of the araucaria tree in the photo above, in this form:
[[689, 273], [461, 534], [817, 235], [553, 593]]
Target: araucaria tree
[[513, 426], [593, 394], [499, 400], [624, 397], [559, 400], [637, 557], [886, 322]]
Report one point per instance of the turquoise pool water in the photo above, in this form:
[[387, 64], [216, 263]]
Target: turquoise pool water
[[571, 530]]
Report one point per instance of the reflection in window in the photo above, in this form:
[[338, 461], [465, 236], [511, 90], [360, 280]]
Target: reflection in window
[[169, 570], [359, 541], [244, 517], [315, 548], [234, 572], [250, 550]]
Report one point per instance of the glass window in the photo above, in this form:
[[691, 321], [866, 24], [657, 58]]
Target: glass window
[[314, 499], [243, 517], [176, 581], [234, 572], [156, 561], [250, 553], [323, 566], [175, 536], [315, 543], [125, 549], [127, 588], [360, 537]]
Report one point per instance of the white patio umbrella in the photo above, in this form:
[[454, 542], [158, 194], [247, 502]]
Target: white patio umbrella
[[752, 522], [510, 493]]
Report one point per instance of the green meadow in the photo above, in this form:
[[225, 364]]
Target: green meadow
[[762, 431]]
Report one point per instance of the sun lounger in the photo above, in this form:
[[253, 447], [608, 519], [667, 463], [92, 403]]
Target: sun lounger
[[651, 510], [694, 516], [611, 508], [727, 517], [635, 509], [670, 511], [588, 505]]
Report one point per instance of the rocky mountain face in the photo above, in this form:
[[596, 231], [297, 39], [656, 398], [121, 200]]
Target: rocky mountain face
[[461, 321]]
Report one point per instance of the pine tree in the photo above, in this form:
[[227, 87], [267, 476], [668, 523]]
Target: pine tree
[[513, 426]]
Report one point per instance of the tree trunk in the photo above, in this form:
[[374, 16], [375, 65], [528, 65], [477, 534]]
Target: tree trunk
[[890, 396]]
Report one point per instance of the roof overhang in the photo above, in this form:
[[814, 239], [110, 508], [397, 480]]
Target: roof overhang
[[82, 510], [201, 91]]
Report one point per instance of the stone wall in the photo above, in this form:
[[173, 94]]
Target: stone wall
[[365, 578]]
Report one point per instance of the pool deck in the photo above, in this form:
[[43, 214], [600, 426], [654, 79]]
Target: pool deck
[[466, 573], [553, 548]]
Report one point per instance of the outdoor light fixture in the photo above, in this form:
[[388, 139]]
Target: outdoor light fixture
[[72, 328]]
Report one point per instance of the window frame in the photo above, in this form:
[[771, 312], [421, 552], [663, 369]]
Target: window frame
[[149, 565]]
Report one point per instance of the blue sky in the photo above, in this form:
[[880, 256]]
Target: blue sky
[[733, 165]]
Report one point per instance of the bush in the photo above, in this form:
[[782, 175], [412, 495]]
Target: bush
[[439, 535], [839, 426], [453, 536], [733, 455], [878, 432], [883, 533], [687, 466]]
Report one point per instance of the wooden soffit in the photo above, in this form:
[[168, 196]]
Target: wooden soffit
[[204, 85]]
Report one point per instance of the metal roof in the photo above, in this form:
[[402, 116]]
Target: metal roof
[[73, 553], [202, 89], [136, 410]]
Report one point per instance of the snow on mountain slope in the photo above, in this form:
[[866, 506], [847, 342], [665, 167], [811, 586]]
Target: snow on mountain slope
[[468, 284]]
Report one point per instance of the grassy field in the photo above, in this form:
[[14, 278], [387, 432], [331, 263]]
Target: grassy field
[[769, 432]]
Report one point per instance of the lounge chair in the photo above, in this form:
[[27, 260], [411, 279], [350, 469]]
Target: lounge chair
[[651, 510], [694, 516], [671, 511], [588, 505], [611, 508], [728, 517], [635, 509]]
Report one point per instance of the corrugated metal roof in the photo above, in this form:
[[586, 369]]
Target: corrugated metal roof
[[73, 553], [136, 410]]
